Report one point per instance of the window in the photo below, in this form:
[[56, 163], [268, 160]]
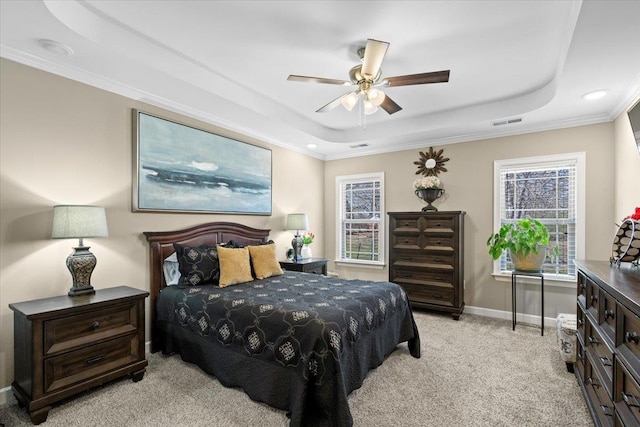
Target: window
[[551, 190], [360, 223]]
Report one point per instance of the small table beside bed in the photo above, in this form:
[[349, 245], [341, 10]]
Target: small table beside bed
[[296, 341]]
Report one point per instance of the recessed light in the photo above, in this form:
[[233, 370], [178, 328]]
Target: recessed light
[[55, 47], [596, 94], [312, 145]]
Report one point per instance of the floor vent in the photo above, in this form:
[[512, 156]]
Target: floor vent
[[507, 122]]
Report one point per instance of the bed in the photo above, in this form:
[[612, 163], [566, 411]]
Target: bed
[[296, 341]]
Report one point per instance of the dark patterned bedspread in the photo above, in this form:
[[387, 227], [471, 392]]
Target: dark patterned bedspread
[[298, 342]]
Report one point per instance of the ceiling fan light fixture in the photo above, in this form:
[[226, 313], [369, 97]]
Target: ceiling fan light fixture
[[375, 96], [349, 101], [369, 108]]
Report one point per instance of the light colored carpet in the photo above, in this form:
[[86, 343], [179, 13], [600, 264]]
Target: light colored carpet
[[474, 372]]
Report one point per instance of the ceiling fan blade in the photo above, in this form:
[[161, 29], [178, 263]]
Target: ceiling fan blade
[[374, 53], [390, 106], [333, 104], [417, 79], [309, 79]]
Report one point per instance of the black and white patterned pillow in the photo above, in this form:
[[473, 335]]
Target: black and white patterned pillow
[[198, 265]]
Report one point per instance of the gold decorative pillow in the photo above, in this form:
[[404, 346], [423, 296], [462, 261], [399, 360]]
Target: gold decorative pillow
[[264, 261], [235, 266]]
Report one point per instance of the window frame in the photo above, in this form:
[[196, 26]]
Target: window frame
[[353, 179], [579, 158]]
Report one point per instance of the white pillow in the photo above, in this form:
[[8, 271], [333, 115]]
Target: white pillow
[[171, 269]]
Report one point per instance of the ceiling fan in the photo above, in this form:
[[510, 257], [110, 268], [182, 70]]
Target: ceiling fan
[[366, 77]]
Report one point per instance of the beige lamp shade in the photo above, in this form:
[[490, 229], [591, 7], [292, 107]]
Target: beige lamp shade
[[297, 221], [78, 221]]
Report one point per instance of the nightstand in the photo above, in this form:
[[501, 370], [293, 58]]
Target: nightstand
[[65, 345], [307, 265]]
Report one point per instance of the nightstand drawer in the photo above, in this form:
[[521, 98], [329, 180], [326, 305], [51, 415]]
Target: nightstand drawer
[[80, 330], [67, 369]]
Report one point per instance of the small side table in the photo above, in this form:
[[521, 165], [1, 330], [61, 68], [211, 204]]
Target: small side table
[[514, 275], [307, 265]]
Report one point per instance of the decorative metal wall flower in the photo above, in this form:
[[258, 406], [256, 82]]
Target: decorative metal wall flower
[[431, 163]]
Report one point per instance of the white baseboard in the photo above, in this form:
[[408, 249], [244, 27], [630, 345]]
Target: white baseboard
[[506, 315]]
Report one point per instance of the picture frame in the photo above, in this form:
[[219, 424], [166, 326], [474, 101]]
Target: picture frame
[[180, 168]]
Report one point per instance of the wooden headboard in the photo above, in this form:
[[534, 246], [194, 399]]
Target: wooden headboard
[[212, 233]]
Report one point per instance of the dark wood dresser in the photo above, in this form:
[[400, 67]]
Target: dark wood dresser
[[426, 257], [65, 345], [608, 354]]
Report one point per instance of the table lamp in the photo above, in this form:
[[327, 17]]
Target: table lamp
[[76, 221], [297, 221]]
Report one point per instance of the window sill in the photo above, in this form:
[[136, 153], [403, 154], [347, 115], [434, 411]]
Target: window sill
[[364, 264], [548, 280]]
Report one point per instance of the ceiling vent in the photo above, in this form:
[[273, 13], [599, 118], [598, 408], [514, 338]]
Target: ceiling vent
[[507, 121], [359, 145]]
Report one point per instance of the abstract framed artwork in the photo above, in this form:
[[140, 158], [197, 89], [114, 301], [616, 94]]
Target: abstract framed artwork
[[179, 168]]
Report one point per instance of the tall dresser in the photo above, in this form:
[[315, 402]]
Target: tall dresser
[[608, 354], [426, 258]]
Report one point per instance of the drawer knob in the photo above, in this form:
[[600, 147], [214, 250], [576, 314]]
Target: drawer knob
[[408, 258], [593, 340], [582, 287], [630, 400], [438, 242], [95, 325], [606, 410], [580, 323], [406, 224], [437, 260], [606, 361], [593, 382], [609, 314], [594, 299], [438, 225], [406, 241], [405, 274], [631, 337]]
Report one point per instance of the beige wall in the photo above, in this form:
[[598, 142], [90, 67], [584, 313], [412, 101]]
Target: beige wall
[[626, 168], [65, 142], [469, 187]]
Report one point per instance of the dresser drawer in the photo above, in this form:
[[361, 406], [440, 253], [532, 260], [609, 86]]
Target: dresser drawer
[[429, 295], [79, 330], [441, 243], [602, 402], [580, 322], [405, 242], [407, 224], [582, 289], [593, 298], [607, 315], [601, 355], [628, 338], [627, 396], [70, 368], [442, 260], [423, 277], [438, 225], [580, 360]]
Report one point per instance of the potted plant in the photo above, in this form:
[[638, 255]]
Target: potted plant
[[527, 241], [428, 189]]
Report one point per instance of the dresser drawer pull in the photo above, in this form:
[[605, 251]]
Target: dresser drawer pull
[[631, 336], [580, 323], [407, 258], [579, 356], [438, 278], [582, 287], [593, 340], [95, 359], [609, 314], [606, 410], [593, 382], [406, 224], [437, 296], [605, 361], [630, 400], [405, 274], [437, 260], [438, 242], [95, 325], [594, 300], [406, 241], [438, 225]]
